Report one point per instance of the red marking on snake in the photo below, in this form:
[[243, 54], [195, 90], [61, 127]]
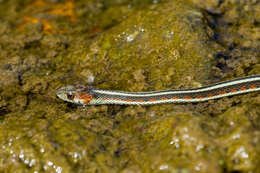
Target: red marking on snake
[[152, 100], [199, 97], [222, 92], [187, 97], [140, 100], [85, 97], [233, 90], [163, 98], [252, 87], [210, 95], [175, 97], [128, 100], [242, 88]]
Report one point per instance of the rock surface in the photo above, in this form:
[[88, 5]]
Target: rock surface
[[133, 46]]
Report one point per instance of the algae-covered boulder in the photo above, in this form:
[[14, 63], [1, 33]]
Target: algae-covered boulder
[[158, 45], [156, 48]]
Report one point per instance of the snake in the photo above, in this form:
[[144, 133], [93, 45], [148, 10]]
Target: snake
[[88, 95]]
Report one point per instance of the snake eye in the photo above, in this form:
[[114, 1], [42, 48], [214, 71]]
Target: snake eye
[[70, 96]]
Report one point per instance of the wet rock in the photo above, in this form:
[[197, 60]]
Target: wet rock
[[158, 45]]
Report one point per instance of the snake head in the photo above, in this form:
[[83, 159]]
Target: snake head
[[78, 94]]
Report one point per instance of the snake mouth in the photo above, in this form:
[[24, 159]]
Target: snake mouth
[[62, 95], [66, 93], [74, 95]]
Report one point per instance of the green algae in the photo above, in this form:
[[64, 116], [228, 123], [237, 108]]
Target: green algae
[[138, 47], [144, 46]]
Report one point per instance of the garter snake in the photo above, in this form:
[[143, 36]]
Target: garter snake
[[85, 95]]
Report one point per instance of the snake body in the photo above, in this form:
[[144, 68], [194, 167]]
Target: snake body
[[85, 95]]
